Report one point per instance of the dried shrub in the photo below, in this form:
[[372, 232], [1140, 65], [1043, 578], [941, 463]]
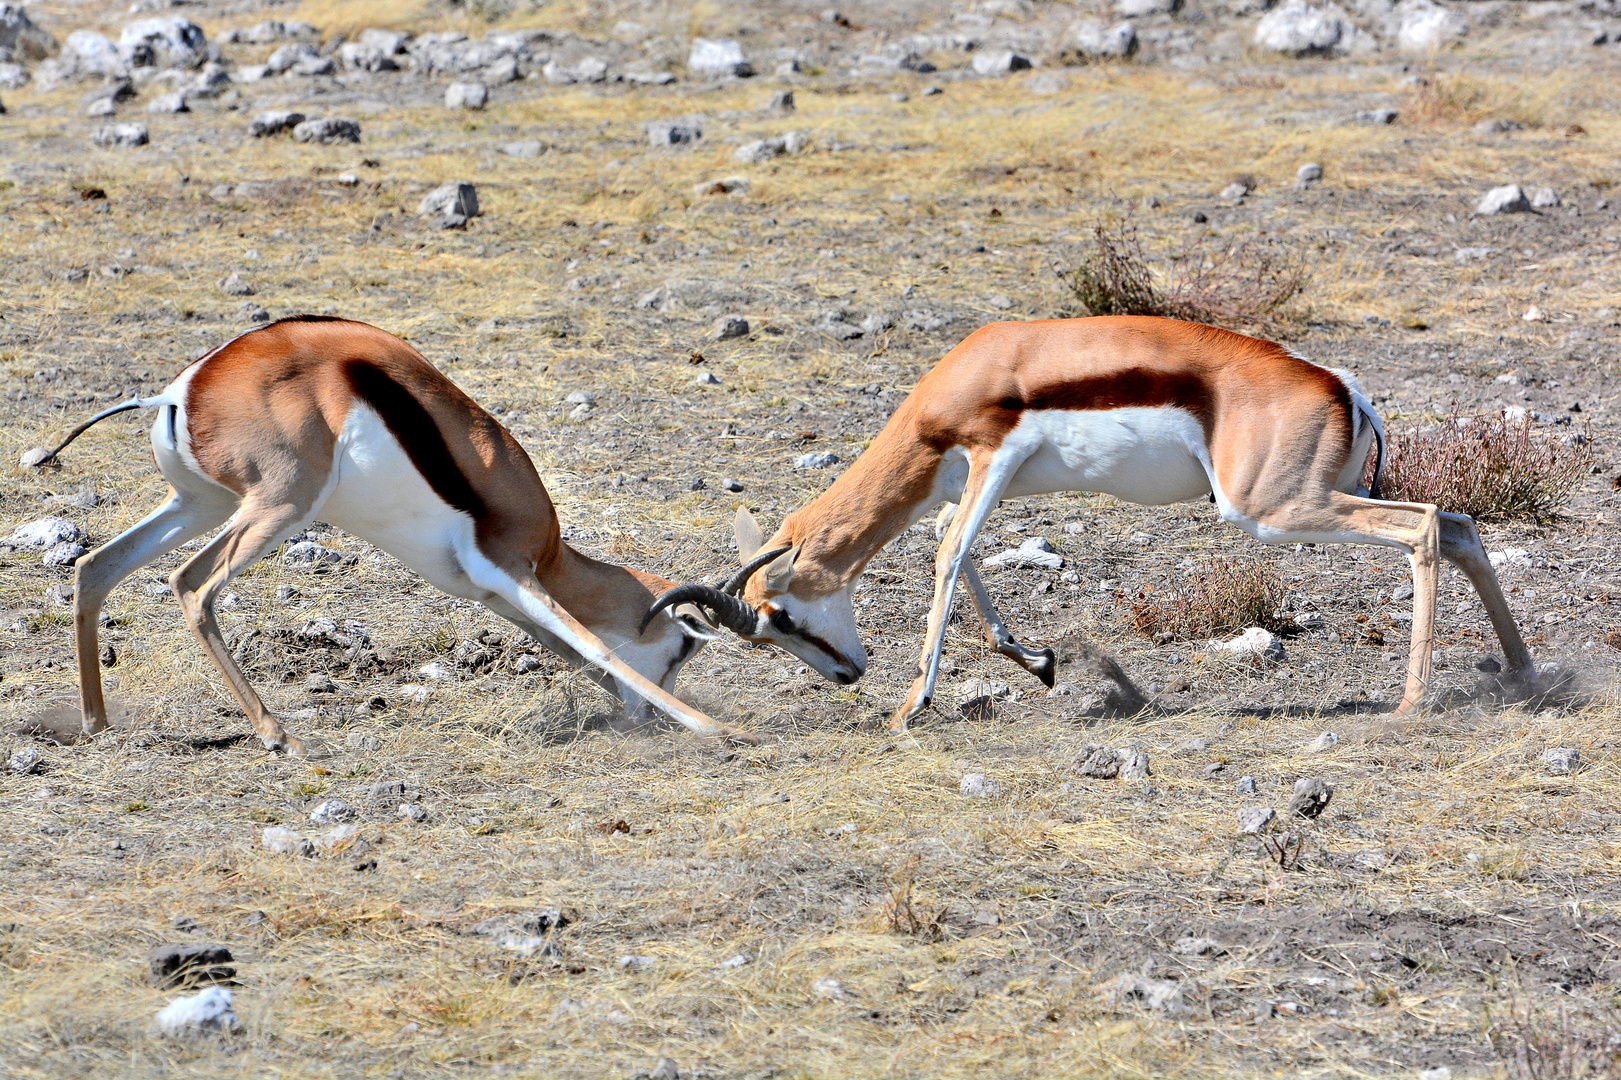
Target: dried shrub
[[1221, 596], [1535, 1046], [1458, 97], [1248, 285], [1491, 468], [898, 913]]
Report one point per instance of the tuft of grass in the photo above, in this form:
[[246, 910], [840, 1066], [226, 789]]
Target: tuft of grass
[[1491, 468], [1536, 1046], [1219, 597], [1247, 285]]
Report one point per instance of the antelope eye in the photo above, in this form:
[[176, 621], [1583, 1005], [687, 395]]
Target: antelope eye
[[781, 620]]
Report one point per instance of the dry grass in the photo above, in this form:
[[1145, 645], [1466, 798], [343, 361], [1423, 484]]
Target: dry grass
[[1218, 596], [970, 937], [1247, 285], [1489, 467]]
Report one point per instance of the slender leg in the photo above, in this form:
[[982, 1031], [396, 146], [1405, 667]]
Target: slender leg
[[553, 643], [1412, 527], [522, 591], [258, 528], [182, 518], [1461, 546], [988, 476], [1038, 662]]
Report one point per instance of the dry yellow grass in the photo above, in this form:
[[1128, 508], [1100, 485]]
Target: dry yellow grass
[[1028, 907]]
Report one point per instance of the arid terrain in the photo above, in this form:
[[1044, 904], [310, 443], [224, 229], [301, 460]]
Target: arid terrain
[[575, 897]]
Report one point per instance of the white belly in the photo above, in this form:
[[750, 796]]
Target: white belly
[[380, 497], [1151, 456]]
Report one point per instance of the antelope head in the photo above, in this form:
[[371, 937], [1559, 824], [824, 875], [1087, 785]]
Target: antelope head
[[760, 603]]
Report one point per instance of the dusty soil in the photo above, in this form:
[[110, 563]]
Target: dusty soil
[[1454, 897]]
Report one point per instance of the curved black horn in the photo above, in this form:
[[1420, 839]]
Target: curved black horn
[[728, 610], [741, 578]]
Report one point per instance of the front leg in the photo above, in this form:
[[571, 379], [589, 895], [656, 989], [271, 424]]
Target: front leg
[[1039, 662], [988, 476]]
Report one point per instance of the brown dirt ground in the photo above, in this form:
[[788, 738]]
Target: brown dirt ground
[[1452, 893]]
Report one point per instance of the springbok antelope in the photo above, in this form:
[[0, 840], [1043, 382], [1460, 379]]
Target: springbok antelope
[[1153, 411], [321, 416]]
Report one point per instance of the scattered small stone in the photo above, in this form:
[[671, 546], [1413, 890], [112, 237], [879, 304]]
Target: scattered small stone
[[308, 553], [1036, 553], [1161, 995], [1255, 819], [207, 1013], [1214, 769], [1377, 117], [678, 132], [466, 95], [739, 960], [333, 811], [44, 534], [1093, 40], [456, 197], [1255, 644], [665, 1070], [731, 185], [782, 101], [1310, 620], [1198, 946], [714, 58], [121, 135], [327, 130], [337, 839], [707, 378], [1324, 742], [1235, 190], [64, 554], [635, 963], [1311, 797], [169, 966], [168, 103], [729, 484], [822, 460], [1134, 764], [523, 148], [978, 694], [1544, 199], [999, 62], [412, 812], [1560, 761], [24, 761], [977, 786], [284, 841], [1508, 199], [274, 123], [829, 988], [1302, 29], [526, 663], [1308, 174], [1246, 785], [1497, 126], [730, 326], [234, 284]]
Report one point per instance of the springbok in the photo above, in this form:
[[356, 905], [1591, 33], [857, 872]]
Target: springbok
[[1152, 411], [322, 416]]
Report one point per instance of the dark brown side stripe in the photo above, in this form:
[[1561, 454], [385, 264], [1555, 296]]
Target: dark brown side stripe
[[412, 425]]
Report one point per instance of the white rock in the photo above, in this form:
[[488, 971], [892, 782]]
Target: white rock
[[977, 786], [822, 460], [1134, 764], [829, 988], [168, 42], [1440, 1072], [1508, 199], [121, 135], [729, 326], [456, 197], [978, 693], [1545, 198], [1310, 620], [739, 960], [1324, 742], [435, 670], [1309, 173], [999, 62], [1235, 190], [1427, 27], [1138, 9], [44, 534], [1161, 995], [65, 554], [284, 841], [684, 130], [1196, 946], [21, 37], [1246, 785], [336, 838], [1562, 760], [1036, 553], [412, 812], [309, 553], [760, 151], [635, 963], [25, 761], [1299, 28], [288, 57], [466, 95], [795, 142], [358, 56], [707, 378], [168, 103], [274, 122], [333, 811], [234, 284], [712, 58], [327, 130], [388, 42], [1254, 819], [207, 1013], [1255, 643], [1532, 314]]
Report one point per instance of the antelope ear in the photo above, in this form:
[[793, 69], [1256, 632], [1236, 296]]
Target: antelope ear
[[749, 537], [779, 573]]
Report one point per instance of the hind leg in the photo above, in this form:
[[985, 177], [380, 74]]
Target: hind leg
[[257, 530], [1413, 527], [1461, 546], [1038, 662], [182, 518]]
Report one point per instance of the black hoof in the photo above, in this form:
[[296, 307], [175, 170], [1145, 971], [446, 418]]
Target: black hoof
[[1045, 667]]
